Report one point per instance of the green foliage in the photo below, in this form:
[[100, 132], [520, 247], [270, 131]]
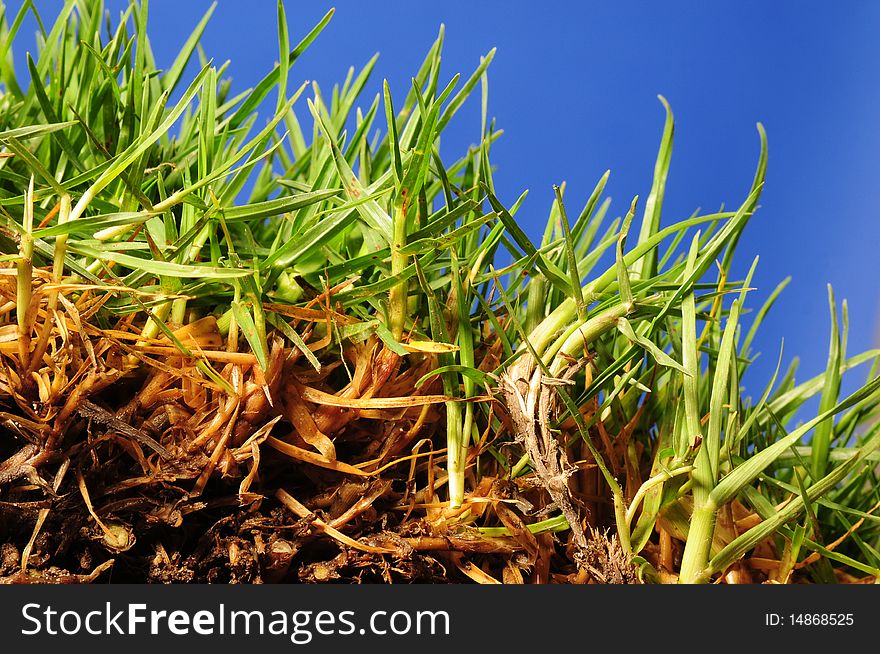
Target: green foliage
[[196, 202]]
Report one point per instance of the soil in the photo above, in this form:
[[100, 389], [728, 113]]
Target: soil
[[121, 499]]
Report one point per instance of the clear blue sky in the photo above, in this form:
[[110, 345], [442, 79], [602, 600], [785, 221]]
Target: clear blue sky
[[574, 87]]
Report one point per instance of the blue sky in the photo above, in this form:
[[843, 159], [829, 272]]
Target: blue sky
[[574, 87]]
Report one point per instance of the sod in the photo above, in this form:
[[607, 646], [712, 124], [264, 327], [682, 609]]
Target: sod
[[246, 350]]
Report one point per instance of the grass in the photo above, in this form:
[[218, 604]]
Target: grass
[[332, 349]]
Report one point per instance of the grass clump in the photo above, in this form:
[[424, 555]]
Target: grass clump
[[244, 352]]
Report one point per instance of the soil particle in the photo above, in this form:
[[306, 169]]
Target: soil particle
[[606, 560]]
